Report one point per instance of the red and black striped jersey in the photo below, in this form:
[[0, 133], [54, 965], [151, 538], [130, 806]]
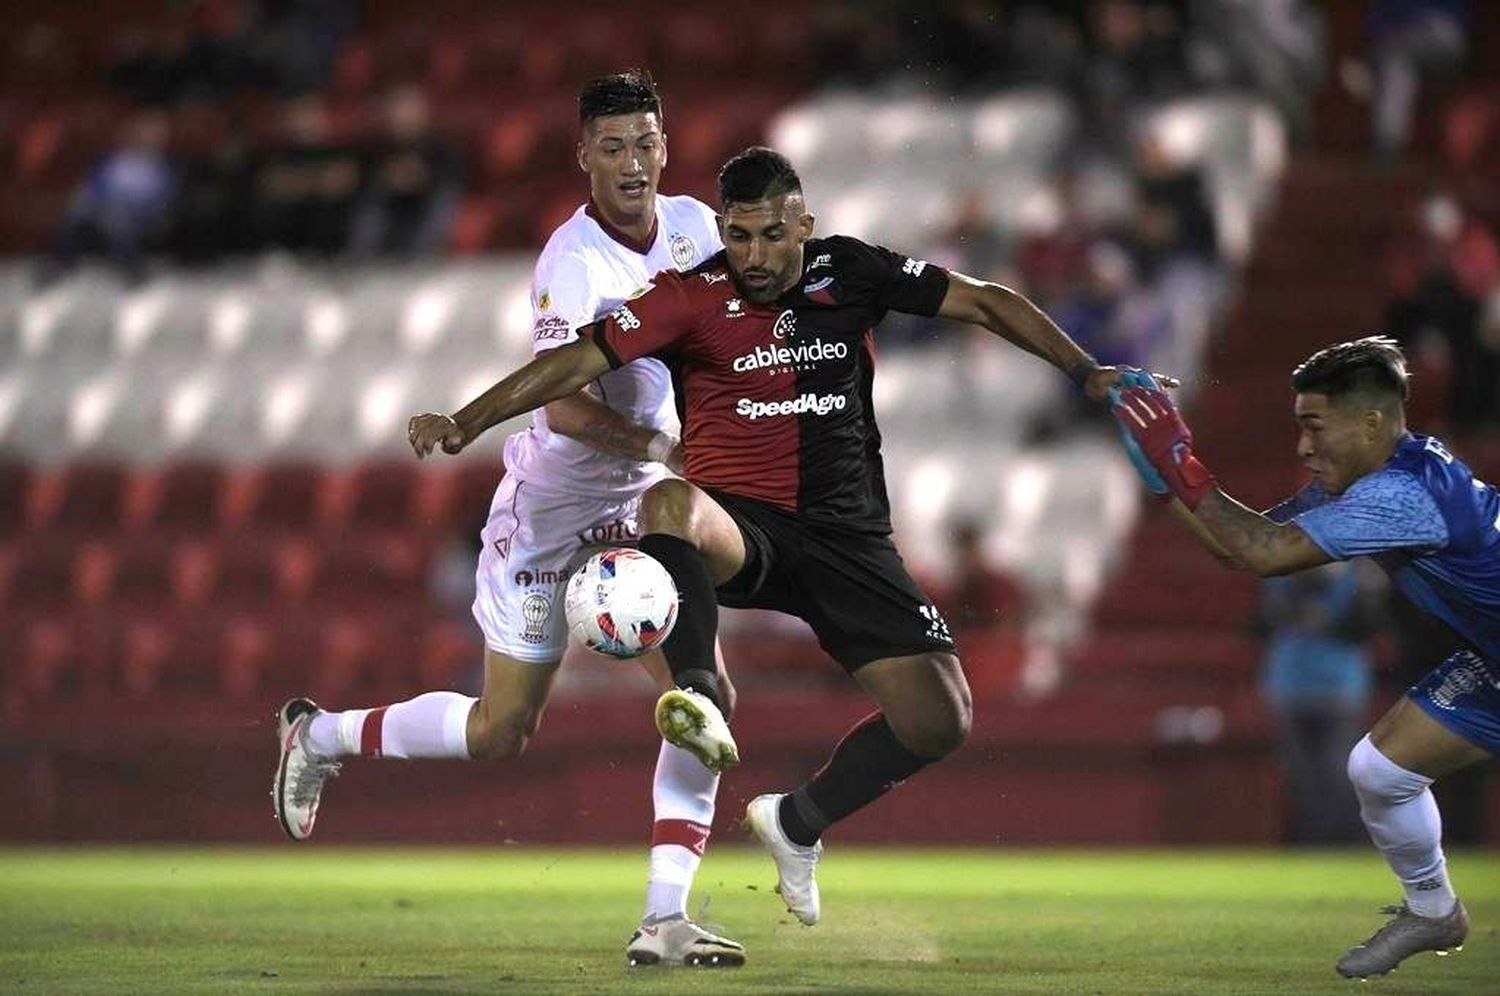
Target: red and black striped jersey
[[775, 399]]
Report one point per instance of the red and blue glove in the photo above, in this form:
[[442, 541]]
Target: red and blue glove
[[1155, 432]]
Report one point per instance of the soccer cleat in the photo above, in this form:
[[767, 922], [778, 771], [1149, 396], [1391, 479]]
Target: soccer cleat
[[1407, 934], [301, 774], [795, 863], [679, 941], [690, 720]]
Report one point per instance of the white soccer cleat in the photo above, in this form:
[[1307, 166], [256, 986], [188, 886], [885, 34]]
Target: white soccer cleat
[[795, 863], [301, 774], [690, 720], [680, 941]]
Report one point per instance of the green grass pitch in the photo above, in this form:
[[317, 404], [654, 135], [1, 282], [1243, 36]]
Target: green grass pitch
[[376, 922]]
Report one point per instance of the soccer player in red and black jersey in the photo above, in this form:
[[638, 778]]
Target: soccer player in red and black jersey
[[783, 505]]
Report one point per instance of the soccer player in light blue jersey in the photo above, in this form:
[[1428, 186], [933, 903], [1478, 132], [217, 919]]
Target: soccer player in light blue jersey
[[1381, 491]]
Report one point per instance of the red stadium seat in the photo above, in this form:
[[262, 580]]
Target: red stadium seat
[[36, 574], [15, 480], [186, 497], [286, 497], [383, 496], [142, 574], [82, 497]]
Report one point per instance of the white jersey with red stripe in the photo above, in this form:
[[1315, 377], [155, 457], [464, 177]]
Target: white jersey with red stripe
[[586, 270]]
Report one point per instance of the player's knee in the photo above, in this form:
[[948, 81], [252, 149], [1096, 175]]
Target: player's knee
[[727, 696], [500, 736], [1376, 778], [942, 730], [667, 507]]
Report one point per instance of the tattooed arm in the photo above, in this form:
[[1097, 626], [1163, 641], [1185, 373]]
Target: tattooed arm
[[1255, 541], [583, 417]]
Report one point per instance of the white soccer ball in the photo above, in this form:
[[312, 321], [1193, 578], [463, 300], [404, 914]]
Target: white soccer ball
[[621, 602]]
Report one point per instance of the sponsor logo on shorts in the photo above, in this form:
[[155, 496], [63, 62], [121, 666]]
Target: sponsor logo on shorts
[[529, 578], [551, 327], [625, 318], [801, 356], [535, 610], [609, 532], [683, 250], [502, 547], [937, 627], [807, 404], [914, 267], [544, 302]]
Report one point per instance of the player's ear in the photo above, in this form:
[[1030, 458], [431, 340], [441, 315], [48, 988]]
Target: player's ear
[[805, 226], [583, 154], [662, 139], [1374, 424]]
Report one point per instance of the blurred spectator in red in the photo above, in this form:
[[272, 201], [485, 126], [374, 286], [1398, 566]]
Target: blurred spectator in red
[[411, 185], [986, 609], [1445, 284], [125, 205], [305, 193], [1055, 264], [1471, 153], [1410, 40]]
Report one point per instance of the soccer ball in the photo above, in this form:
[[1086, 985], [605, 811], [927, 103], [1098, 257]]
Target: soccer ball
[[621, 602]]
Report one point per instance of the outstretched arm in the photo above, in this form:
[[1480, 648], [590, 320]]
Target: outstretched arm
[[1157, 435], [1016, 320], [554, 374]]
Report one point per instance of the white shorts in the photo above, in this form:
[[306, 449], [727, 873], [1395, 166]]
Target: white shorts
[[533, 542]]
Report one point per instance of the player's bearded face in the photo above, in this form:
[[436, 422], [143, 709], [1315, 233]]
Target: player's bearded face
[[623, 154], [1335, 442], [763, 243]]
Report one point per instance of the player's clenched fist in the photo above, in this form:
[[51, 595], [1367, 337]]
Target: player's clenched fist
[[434, 429]]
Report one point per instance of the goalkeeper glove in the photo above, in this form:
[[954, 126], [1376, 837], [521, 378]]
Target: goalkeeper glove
[[1149, 419]]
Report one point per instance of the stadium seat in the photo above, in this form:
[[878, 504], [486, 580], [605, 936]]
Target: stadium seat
[[285, 497], [81, 497], [383, 496], [1023, 131], [36, 573], [15, 482]]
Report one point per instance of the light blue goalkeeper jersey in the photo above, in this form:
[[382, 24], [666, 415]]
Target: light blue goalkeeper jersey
[[1432, 527]]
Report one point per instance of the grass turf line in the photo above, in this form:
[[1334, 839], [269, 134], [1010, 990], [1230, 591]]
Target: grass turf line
[[384, 922]]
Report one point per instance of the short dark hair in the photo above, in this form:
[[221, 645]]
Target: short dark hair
[[630, 92], [757, 174], [1372, 370]]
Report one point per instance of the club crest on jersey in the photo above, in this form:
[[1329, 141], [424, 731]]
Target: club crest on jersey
[[734, 308], [683, 250], [786, 325]]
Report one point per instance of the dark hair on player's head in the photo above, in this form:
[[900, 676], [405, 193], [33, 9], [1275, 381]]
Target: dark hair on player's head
[[757, 174], [630, 92], [1371, 371]]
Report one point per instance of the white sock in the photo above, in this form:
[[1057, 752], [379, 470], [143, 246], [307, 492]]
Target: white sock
[[432, 725], [1402, 817], [683, 792]]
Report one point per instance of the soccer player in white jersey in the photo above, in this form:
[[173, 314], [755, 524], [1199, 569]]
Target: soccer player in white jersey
[[578, 472]]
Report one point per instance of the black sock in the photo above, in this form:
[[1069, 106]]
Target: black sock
[[866, 764], [690, 648]]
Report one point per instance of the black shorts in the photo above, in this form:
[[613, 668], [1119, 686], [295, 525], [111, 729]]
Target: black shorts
[[850, 587]]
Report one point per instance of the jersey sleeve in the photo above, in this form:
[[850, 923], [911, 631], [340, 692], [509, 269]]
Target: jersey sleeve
[[892, 281], [1387, 510], [1285, 511], [562, 301], [652, 323]]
